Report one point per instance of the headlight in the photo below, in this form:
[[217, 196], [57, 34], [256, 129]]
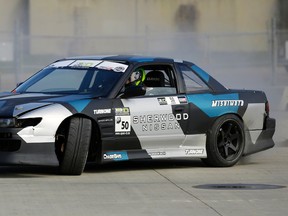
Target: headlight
[[18, 123], [7, 122]]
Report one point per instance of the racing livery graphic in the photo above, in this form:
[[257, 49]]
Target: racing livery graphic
[[117, 108]]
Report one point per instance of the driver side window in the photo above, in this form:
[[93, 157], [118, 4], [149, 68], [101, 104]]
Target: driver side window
[[160, 80], [150, 80]]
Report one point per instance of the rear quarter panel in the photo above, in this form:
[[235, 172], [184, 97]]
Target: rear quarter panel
[[247, 104]]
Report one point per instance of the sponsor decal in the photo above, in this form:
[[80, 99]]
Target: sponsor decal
[[102, 111], [122, 125], [182, 99], [159, 122], [216, 103], [105, 120], [162, 101], [207, 101], [61, 63], [122, 121], [160, 153], [122, 111], [116, 156], [172, 100], [194, 151], [105, 65], [85, 63], [117, 67]]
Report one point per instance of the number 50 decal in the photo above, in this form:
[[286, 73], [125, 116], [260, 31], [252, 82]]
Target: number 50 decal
[[122, 125], [125, 125]]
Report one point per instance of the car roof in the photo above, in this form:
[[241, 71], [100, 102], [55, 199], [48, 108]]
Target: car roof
[[125, 58]]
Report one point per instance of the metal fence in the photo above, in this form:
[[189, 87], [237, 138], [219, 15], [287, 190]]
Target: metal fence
[[21, 56]]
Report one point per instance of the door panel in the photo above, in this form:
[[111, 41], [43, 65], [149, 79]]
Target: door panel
[[158, 121]]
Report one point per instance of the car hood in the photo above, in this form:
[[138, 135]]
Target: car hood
[[12, 104]]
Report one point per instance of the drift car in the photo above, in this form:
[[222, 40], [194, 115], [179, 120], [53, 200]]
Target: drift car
[[116, 108]]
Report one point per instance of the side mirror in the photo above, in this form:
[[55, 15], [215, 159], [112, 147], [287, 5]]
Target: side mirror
[[133, 91]]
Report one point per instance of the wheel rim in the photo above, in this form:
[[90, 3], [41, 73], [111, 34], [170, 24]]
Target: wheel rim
[[229, 140]]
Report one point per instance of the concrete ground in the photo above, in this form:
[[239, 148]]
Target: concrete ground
[[255, 186], [151, 188]]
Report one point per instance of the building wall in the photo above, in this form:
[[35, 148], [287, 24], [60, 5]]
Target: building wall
[[56, 26], [8, 14], [235, 15], [209, 32], [122, 17]]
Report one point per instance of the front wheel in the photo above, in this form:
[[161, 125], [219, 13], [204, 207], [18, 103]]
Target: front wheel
[[76, 146], [225, 142]]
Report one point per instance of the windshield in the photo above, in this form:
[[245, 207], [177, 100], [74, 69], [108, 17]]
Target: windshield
[[75, 77]]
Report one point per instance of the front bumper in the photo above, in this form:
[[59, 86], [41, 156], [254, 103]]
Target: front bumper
[[14, 150], [264, 140]]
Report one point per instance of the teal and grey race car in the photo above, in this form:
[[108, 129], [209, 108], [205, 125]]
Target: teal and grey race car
[[115, 108]]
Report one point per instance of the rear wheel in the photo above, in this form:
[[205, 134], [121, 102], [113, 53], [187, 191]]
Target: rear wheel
[[225, 142], [74, 149]]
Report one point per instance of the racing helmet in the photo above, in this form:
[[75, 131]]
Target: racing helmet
[[137, 77]]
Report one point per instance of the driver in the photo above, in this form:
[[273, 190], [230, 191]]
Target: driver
[[137, 77]]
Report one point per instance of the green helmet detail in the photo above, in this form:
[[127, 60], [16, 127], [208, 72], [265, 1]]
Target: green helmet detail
[[138, 76]]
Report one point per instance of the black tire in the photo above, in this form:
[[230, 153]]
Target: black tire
[[76, 146], [225, 142]]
